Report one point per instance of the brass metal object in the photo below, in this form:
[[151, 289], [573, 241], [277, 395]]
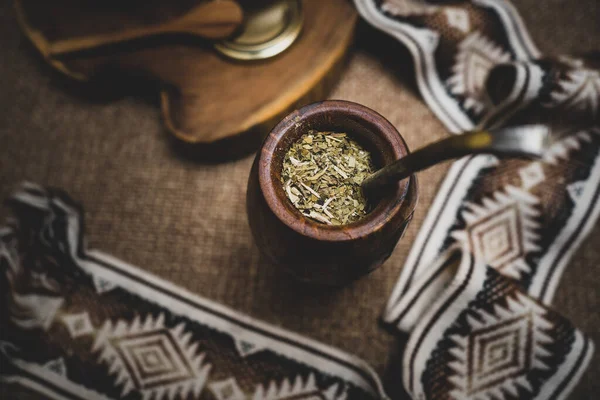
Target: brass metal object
[[528, 141], [266, 31]]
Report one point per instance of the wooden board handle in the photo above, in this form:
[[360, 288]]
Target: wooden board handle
[[214, 20]]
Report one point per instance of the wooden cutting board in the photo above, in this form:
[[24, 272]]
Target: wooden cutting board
[[211, 102]]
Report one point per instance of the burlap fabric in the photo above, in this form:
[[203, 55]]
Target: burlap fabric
[[186, 222]]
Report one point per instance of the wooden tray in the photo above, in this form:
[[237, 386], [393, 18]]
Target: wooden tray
[[205, 98]]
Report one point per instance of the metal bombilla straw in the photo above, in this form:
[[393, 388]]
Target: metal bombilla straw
[[527, 141]]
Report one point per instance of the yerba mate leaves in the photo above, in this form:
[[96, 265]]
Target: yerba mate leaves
[[321, 175]]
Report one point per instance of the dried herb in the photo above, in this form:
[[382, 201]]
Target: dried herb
[[321, 175]]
